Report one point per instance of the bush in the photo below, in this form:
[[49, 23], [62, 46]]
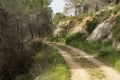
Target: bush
[[75, 37], [105, 51], [91, 25], [104, 15], [117, 9], [16, 62], [48, 65], [58, 16], [36, 45], [58, 38], [116, 32]]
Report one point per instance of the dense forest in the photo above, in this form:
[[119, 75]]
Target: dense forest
[[20, 21], [34, 42]]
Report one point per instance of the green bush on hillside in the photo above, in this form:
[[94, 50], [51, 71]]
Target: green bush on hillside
[[58, 16], [117, 9], [91, 25], [103, 51], [57, 38], [78, 36], [104, 15], [36, 45], [116, 32], [48, 65]]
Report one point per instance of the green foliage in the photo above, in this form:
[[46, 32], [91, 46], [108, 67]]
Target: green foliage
[[58, 38], [103, 51], [71, 4], [80, 16], [48, 65], [36, 45], [78, 36], [109, 55], [117, 65], [107, 1], [104, 15], [58, 17], [117, 9], [91, 25], [116, 32]]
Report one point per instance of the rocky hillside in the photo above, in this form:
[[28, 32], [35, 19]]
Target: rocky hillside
[[98, 26]]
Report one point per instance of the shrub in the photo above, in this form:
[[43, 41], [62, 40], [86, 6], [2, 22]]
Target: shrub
[[91, 25], [108, 43], [104, 15], [117, 8], [58, 38], [105, 51], [58, 16], [16, 62], [117, 29], [48, 65], [36, 45], [75, 37]]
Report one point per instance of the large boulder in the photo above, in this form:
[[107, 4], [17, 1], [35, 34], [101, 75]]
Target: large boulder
[[101, 32]]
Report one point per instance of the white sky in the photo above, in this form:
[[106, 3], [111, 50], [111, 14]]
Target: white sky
[[57, 5]]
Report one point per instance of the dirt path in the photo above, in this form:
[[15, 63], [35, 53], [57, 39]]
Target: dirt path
[[77, 72], [84, 66]]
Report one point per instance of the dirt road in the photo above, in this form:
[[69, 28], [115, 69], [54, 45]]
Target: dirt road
[[84, 66]]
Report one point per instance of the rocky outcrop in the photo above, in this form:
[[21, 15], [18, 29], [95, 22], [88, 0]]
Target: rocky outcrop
[[102, 31], [116, 44], [61, 27], [71, 26]]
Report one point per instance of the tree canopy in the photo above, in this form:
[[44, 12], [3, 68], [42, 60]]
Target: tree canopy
[[58, 17]]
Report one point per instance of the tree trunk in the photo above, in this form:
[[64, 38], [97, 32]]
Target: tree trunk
[[30, 28], [116, 2], [96, 8], [18, 33]]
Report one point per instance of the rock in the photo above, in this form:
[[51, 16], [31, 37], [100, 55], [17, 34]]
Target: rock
[[116, 44], [71, 26], [110, 37], [60, 27], [57, 32], [101, 32]]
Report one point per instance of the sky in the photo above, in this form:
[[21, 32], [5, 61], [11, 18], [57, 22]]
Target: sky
[[57, 6]]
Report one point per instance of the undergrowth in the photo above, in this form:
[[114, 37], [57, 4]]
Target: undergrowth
[[48, 65], [91, 25], [116, 32]]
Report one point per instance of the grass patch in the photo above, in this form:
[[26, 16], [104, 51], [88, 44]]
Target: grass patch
[[48, 65]]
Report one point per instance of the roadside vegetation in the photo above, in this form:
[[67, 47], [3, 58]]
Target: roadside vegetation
[[48, 64], [103, 51]]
